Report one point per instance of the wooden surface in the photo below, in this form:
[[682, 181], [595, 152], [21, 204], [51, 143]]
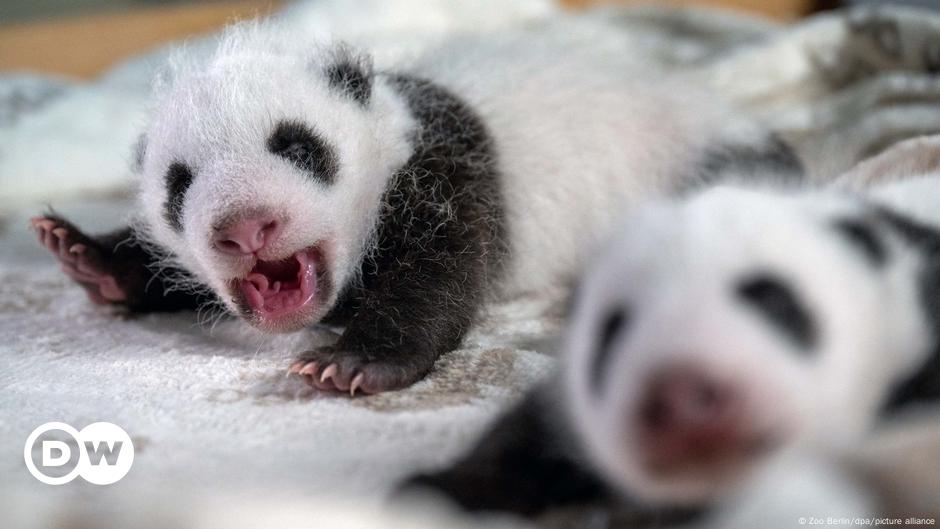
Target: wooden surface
[[86, 46], [777, 9]]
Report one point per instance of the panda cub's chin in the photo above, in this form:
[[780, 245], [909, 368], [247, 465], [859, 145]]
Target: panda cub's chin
[[283, 295]]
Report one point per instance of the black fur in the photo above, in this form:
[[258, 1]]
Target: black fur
[[178, 179], [530, 463], [613, 325], [307, 150], [351, 75], [439, 245], [924, 384], [773, 158], [778, 304], [122, 255], [521, 465], [863, 236]]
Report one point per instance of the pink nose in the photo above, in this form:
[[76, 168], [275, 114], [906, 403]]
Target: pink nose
[[688, 417], [247, 236]]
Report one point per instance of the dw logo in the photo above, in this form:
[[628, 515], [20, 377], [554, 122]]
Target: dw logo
[[101, 453]]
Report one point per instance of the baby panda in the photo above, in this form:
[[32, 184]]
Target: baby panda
[[715, 335], [294, 183]]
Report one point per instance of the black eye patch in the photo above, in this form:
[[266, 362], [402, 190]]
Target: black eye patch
[[178, 179], [611, 326], [305, 149], [778, 304], [863, 237]]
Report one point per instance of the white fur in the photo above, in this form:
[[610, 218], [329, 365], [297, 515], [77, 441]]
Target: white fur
[[675, 266], [583, 133]]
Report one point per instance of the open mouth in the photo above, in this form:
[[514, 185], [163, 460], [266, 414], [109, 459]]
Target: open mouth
[[277, 289]]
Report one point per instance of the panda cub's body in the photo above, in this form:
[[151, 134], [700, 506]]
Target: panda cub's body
[[716, 334], [295, 183]]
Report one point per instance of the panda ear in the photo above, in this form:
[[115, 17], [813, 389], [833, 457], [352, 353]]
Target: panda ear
[[350, 74]]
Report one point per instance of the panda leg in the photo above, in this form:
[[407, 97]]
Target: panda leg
[[79, 258], [524, 464], [114, 269], [401, 327], [420, 292]]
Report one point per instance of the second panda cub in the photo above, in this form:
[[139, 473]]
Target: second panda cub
[[294, 183], [716, 333]]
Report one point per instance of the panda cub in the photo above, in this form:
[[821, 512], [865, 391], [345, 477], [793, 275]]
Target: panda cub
[[714, 335], [296, 183]]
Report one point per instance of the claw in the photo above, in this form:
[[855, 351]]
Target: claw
[[77, 248], [328, 372], [309, 368], [356, 382], [295, 367], [60, 232]]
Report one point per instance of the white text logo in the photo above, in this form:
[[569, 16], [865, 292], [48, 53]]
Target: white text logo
[[101, 453]]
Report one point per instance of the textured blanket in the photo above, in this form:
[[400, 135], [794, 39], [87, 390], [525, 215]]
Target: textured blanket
[[206, 402]]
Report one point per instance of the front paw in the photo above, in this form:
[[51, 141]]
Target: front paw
[[79, 258], [335, 370]]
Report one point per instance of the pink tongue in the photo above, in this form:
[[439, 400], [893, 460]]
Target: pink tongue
[[274, 299]]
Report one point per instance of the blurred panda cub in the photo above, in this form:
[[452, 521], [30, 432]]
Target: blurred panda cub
[[294, 183], [715, 335]]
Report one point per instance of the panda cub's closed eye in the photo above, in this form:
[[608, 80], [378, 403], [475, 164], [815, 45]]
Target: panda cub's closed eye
[[612, 326], [178, 179], [300, 145], [779, 305]]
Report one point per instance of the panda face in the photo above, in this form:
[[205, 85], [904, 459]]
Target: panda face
[[717, 333], [263, 172]]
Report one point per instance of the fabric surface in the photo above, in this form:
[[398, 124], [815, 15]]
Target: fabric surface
[[206, 400]]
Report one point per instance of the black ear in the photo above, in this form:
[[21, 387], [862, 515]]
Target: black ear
[[351, 74]]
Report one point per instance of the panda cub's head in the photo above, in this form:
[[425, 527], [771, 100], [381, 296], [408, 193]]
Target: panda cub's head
[[718, 332], [262, 171]]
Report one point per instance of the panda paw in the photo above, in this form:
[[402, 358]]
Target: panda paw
[[79, 258], [334, 370]]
